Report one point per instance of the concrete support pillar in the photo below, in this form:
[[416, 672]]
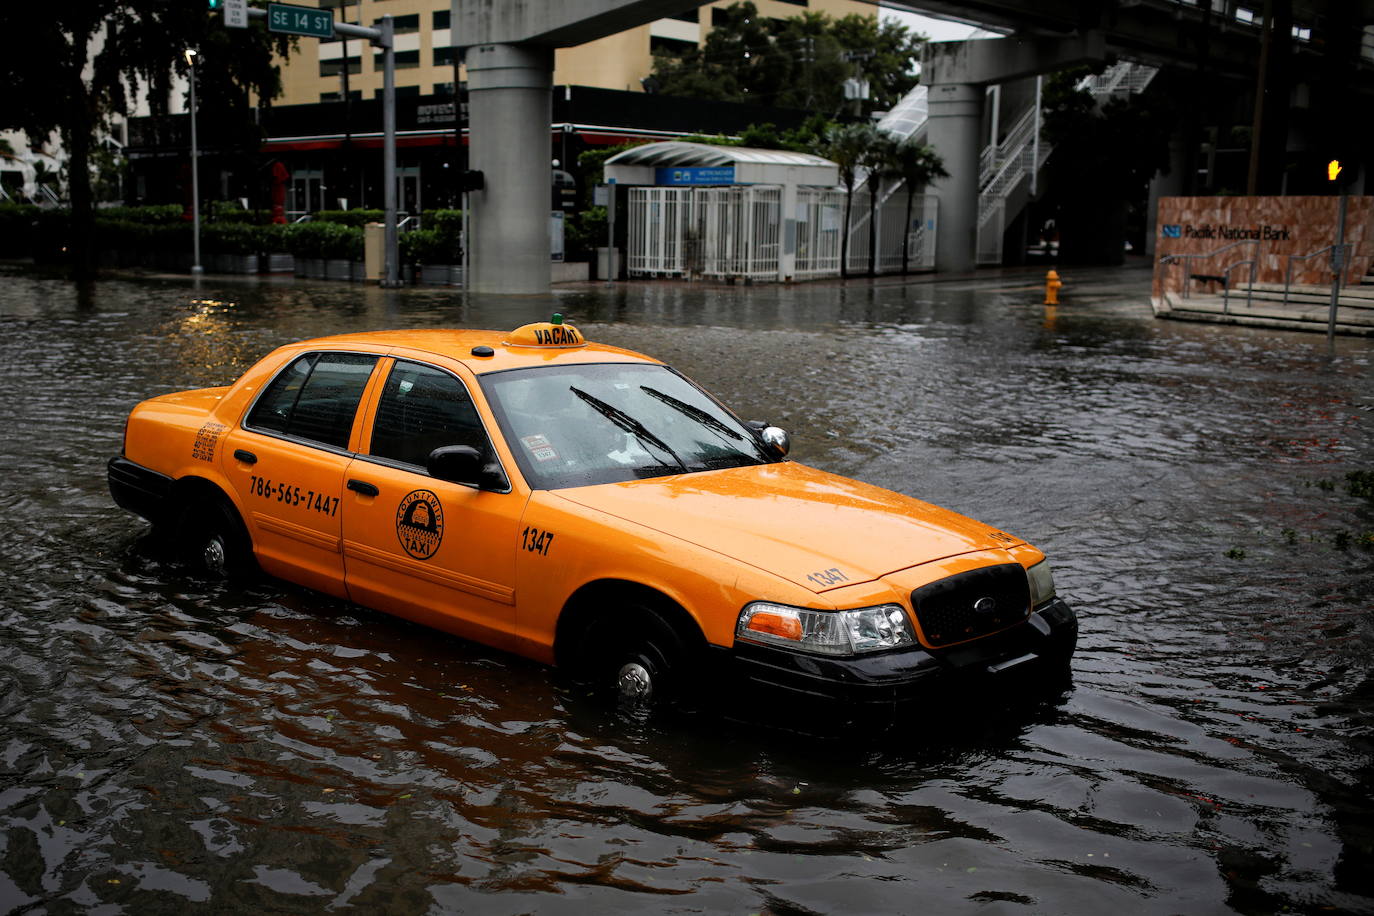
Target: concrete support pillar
[[1162, 185], [956, 122], [510, 109]]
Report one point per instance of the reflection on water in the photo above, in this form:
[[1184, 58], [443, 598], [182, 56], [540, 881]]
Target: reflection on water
[[166, 743]]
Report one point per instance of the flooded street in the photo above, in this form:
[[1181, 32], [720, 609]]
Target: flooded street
[[170, 745]]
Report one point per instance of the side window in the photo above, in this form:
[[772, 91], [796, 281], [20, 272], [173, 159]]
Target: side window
[[422, 409], [273, 409], [315, 398]]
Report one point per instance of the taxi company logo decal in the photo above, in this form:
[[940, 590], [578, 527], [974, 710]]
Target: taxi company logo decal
[[420, 524]]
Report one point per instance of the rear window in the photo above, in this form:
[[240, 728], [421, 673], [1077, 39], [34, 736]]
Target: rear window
[[315, 398]]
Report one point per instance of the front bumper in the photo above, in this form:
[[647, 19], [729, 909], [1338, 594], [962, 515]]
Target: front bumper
[[1040, 648], [138, 489]]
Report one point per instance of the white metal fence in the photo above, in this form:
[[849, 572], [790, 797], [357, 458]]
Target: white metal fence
[[737, 232], [820, 214], [660, 232], [891, 220]]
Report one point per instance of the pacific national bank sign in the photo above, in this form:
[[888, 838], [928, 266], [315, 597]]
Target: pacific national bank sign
[[1267, 233], [1219, 236]]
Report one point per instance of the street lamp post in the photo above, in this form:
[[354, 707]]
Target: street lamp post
[[196, 267]]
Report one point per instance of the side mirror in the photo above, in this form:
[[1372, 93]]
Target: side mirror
[[773, 437], [465, 464]]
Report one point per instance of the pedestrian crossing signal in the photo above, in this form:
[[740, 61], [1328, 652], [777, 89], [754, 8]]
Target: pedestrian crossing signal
[[1333, 168]]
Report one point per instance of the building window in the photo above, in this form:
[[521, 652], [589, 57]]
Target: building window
[[796, 2], [443, 57], [354, 94], [332, 67], [405, 60], [401, 92], [401, 24], [659, 44], [441, 20], [689, 16]]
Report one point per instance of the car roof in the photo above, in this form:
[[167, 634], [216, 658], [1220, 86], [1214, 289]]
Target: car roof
[[459, 344]]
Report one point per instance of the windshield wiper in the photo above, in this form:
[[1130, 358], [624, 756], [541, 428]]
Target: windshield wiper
[[626, 422], [691, 410]]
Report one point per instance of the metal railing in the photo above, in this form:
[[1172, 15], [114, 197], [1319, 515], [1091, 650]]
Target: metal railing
[[1288, 273], [1188, 259], [1226, 284]]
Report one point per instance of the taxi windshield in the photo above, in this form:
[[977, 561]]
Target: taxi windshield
[[571, 426]]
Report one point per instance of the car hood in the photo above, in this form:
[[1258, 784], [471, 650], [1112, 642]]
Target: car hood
[[795, 521]]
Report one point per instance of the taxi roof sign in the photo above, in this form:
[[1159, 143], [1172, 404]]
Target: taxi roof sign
[[547, 335]]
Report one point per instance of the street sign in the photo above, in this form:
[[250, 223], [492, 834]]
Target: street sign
[[300, 20], [236, 14]]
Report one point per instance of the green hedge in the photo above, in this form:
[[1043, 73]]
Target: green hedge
[[324, 240], [429, 246]]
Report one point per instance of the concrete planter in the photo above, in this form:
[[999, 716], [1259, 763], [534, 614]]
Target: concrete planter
[[231, 263], [338, 269], [358, 272], [437, 274], [277, 263], [312, 268]]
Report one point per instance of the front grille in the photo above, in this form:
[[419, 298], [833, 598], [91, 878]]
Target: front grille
[[953, 610]]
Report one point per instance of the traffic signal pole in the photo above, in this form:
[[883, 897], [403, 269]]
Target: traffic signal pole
[[391, 277], [296, 20]]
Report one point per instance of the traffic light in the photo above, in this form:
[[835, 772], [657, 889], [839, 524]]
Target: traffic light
[[1333, 169], [214, 5], [471, 180]]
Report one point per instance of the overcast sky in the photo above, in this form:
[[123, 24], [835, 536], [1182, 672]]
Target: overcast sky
[[937, 29]]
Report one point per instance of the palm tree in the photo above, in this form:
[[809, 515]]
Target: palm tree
[[847, 146], [916, 164], [879, 159]]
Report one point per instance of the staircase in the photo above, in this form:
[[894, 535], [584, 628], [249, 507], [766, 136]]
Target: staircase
[[1005, 168], [1307, 308]]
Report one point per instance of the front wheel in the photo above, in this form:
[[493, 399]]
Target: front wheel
[[640, 658]]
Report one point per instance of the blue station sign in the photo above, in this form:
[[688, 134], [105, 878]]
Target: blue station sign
[[695, 175]]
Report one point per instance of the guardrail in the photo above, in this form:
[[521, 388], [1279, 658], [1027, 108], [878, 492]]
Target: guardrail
[[1340, 265], [1188, 259], [1226, 284]]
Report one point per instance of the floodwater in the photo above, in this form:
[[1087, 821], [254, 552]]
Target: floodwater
[[170, 745]]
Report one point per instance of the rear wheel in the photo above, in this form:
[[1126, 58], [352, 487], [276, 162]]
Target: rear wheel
[[213, 540]]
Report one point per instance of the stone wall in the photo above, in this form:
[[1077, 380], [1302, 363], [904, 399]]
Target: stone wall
[[1269, 228]]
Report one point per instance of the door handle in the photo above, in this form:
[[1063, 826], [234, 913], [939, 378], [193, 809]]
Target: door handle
[[247, 457], [363, 487]]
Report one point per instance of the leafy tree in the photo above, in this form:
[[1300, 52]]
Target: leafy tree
[[84, 60], [916, 164], [807, 137], [798, 62], [878, 158]]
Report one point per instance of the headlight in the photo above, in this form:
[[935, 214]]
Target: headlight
[[869, 629], [1041, 583]]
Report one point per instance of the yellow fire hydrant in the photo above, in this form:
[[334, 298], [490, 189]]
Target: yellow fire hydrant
[[1052, 284]]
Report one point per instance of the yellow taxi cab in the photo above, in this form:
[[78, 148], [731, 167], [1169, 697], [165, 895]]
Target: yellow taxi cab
[[588, 507]]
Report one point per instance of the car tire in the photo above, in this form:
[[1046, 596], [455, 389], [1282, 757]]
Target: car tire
[[214, 542], [640, 658]]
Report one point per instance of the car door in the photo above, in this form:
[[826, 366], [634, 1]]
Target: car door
[[286, 461], [436, 552]]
